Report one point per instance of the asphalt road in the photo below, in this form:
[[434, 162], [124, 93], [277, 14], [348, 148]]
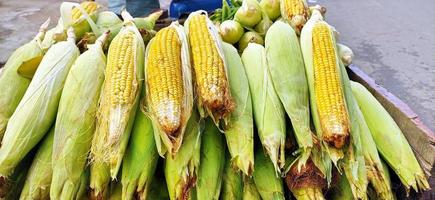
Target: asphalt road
[[394, 41]]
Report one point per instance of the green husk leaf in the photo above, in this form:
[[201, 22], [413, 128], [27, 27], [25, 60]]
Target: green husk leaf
[[158, 189], [239, 131], [140, 159], [269, 113], [38, 181], [181, 169], [390, 141], [287, 69], [271, 8], [75, 124], [269, 185], [232, 182], [36, 112], [343, 190], [250, 191], [11, 189], [12, 84]]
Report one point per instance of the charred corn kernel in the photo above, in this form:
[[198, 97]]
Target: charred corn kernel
[[328, 89], [296, 12], [209, 67], [75, 121], [13, 85], [36, 112], [118, 104], [165, 79], [88, 6], [169, 86], [38, 181]]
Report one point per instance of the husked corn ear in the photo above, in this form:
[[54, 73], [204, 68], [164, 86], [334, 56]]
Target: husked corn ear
[[169, 87], [328, 89], [118, 103], [296, 12], [209, 67], [88, 6]]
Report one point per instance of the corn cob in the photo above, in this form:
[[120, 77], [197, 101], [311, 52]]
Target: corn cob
[[345, 54], [250, 191], [328, 106], [118, 103], [232, 183], [269, 113], [13, 85], [212, 162], [36, 112], [306, 182], [38, 181], [169, 87], [272, 8], [181, 169], [239, 131], [140, 159], [285, 63], [269, 185], [75, 122], [210, 69], [296, 12], [79, 20], [390, 140]]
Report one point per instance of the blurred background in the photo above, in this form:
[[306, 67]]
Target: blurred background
[[393, 41]]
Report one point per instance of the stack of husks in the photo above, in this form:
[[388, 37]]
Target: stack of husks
[[101, 108]]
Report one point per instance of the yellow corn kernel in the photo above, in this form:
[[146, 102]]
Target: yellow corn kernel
[[211, 81], [88, 6], [328, 90], [295, 7], [164, 78], [120, 70]]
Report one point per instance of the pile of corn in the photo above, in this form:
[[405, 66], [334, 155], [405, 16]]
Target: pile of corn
[[101, 108]]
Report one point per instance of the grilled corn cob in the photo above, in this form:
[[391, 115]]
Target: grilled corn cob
[[232, 182], [239, 131], [169, 87], [212, 164], [390, 141], [140, 160], [13, 85], [296, 12], [75, 122], [209, 67], [269, 113], [118, 103], [287, 70], [328, 106], [269, 185], [38, 181], [36, 112], [181, 170]]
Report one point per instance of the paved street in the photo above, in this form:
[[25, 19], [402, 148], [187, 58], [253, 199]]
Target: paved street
[[394, 41]]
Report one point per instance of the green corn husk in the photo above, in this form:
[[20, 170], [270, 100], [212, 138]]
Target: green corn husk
[[269, 113], [83, 187], [269, 185], [13, 84], [342, 191], [287, 69], [75, 124], [390, 141], [232, 183], [306, 182], [52, 36], [81, 25], [208, 185], [115, 121], [116, 192], [11, 190], [181, 169], [345, 53], [250, 191], [37, 110], [158, 189], [140, 159], [239, 131], [38, 181], [307, 51], [271, 8]]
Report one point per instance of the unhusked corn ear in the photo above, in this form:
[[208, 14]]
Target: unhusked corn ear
[[38, 181], [88, 6], [75, 121], [36, 112], [13, 85], [328, 88], [209, 66], [118, 103], [269, 184], [232, 181], [296, 12], [250, 191], [169, 87]]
